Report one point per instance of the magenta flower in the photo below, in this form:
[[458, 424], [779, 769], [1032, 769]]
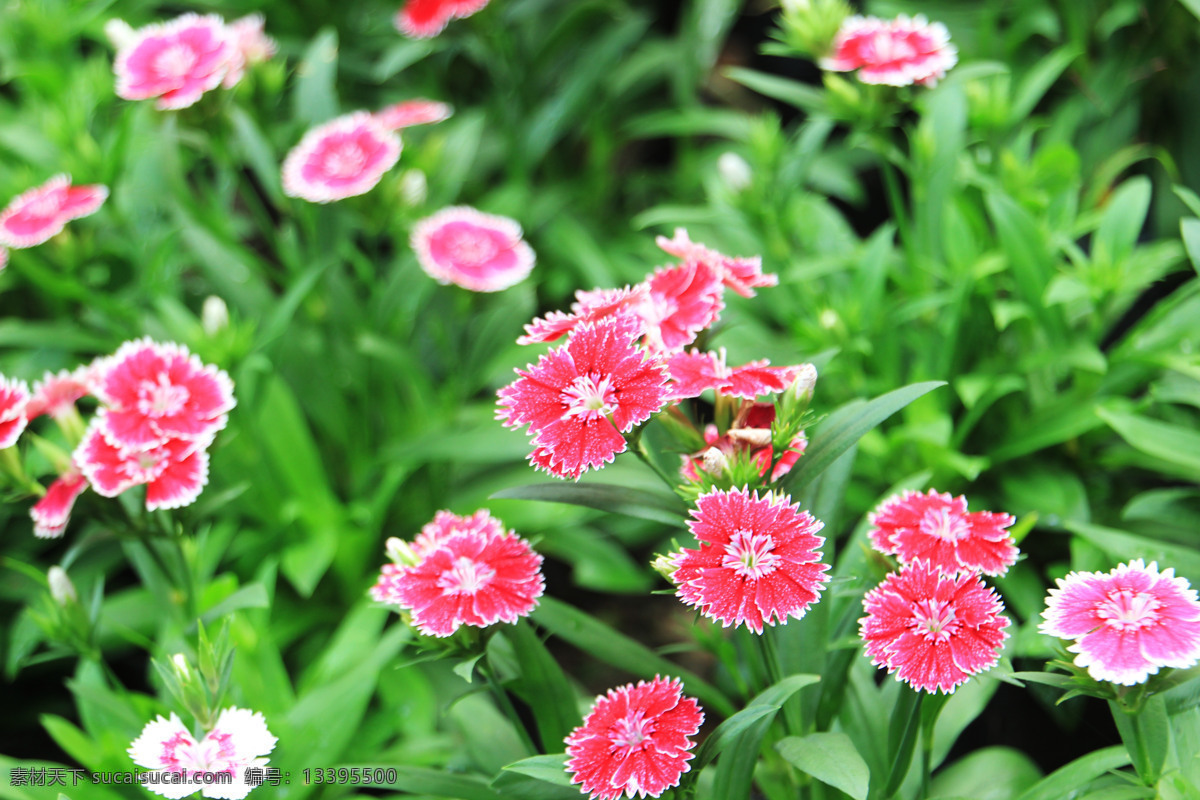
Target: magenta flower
[[934, 631], [422, 19], [682, 301], [14, 400], [1128, 623], [238, 741], [251, 45], [478, 575], [743, 275], [758, 561], [55, 394], [694, 372], [636, 740], [590, 306], [173, 471], [901, 52], [155, 392], [53, 511], [176, 61], [477, 251], [42, 212], [418, 111], [345, 157], [582, 396], [936, 528]]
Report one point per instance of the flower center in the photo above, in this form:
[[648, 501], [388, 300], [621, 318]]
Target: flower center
[[630, 731], [175, 61], [943, 524], [345, 161], [161, 398], [750, 554], [935, 620], [1127, 610], [465, 577], [892, 48], [590, 397], [470, 248], [146, 466]]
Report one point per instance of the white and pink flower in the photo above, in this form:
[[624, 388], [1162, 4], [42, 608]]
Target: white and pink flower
[[174, 471], [251, 45], [176, 61], [55, 394], [40, 213], [900, 52], [14, 398], [418, 111], [344, 157], [477, 251], [53, 511]]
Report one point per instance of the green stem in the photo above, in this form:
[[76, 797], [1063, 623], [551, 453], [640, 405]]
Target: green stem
[[891, 181], [506, 706]]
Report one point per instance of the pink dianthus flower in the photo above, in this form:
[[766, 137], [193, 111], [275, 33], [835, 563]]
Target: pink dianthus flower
[[477, 251], [1128, 623], [40, 213], [934, 631], [936, 528], [635, 741], [55, 394], [238, 741], [174, 471], [418, 111], [422, 19], [176, 61], [901, 52], [743, 275], [251, 45], [344, 157], [694, 372], [581, 397], [681, 301], [590, 306], [53, 511], [759, 559], [14, 399]]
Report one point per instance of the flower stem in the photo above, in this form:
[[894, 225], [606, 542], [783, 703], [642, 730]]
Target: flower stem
[[505, 703]]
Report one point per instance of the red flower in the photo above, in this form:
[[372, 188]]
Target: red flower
[[14, 398], [174, 471], [933, 631], [53, 511], [635, 740], [694, 372], [477, 251], [682, 301], [156, 392], [936, 528], [422, 19], [590, 306], [897, 53], [477, 575], [758, 561], [42, 212], [743, 275], [407, 113], [581, 397]]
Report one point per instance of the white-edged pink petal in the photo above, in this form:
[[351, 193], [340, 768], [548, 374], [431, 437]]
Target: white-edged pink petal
[[344, 157], [477, 251]]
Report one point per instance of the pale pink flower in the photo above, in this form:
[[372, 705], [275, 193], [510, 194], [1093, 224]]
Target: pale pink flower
[[477, 251], [40, 213], [251, 45], [238, 740], [758, 562], [417, 111], [635, 740], [900, 52], [743, 275], [1128, 623], [174, 471], [55, 394], [695, 371], [934, 631], [471, 573], [53, 511], [582, 396], [176, 61], [682, 301], [154, 392], [422, 19], [590, 306], [14, 400], [344, 157], [936, 528]]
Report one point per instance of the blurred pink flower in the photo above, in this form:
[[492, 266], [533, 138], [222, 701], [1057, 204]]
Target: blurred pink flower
[[694, 372], [590, 306], [55, 394], [932, 630], [470, 573], [422, 19], [251, 45], [682, 301], [341, 158], [1128, 623], [155, 392], [743, 275], [53, 511], [42, 212], [901, 52], [176, 61], [14, 398], [418, 111], [582, 396], [477, 251], [936, 528], [635, 740], [174, 471], [759, 560], [238, 740]]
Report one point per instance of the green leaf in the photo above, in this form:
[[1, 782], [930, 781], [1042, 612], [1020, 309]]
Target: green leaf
[[314, 96], [830, 758], [903, 727], [794, 93], [1125, 546], [1070, 779], [1038, 80], [992, 773], [551, 769], [429, 782], [764, 706], [1124, 216], [1146, 734], [543, 686], [844, 427], [1192, 6], [603, 643], [1172, 443], [73, 741], [640, 503], [1031, 264]]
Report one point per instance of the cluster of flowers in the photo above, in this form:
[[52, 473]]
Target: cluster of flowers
[[178, 61], [237, 742], [159, 411], [42, 212], [899, 52]]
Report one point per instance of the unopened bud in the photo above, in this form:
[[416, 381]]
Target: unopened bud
[[119, 33], [399, 551], [714, 461], [61, 588], [214, 315], [806, 380], [182, 668], [414, 188], [734, 171], [754, 437], [665, 564]]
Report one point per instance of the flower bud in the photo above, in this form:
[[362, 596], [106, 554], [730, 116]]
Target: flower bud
[[214, 315], [414, 188], [665, 564], [801, 389], [61, 588], [734, 171], [714, 461], [400, 552]]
